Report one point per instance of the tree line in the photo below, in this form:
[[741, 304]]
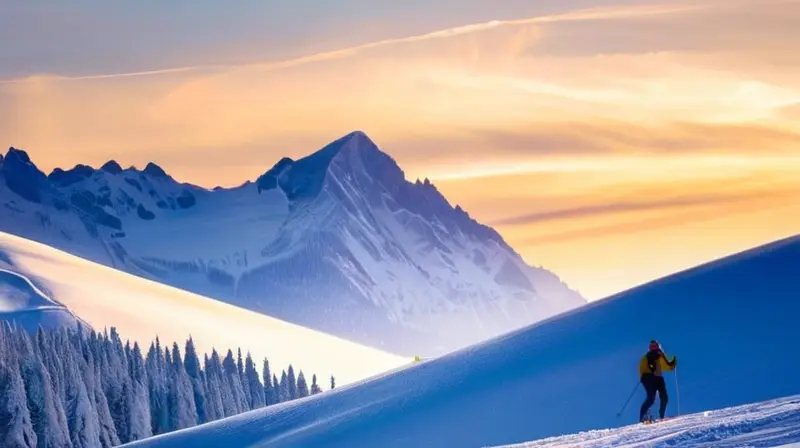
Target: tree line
[[78, 388]]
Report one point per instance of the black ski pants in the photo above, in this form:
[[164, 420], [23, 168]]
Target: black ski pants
[[653, 384]]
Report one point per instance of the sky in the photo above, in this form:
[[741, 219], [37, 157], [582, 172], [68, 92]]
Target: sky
[[612, 142]]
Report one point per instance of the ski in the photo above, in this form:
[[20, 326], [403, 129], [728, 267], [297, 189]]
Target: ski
[[655, 420]]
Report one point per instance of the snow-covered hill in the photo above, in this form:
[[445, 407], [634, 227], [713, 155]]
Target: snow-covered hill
[[773, 423], [142, 309], [23, 304], [731, 323], [337, 241]]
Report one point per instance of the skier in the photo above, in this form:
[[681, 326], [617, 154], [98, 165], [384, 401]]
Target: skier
[[651, 368]]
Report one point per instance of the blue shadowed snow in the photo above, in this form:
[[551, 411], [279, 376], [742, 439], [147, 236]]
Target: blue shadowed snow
[[770, 423], [732, 324], [23, 304]]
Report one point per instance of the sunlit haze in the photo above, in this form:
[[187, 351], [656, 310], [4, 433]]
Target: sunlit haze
[[611, 142]]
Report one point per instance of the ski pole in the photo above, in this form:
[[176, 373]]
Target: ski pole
[[636, 386], [678, 391]]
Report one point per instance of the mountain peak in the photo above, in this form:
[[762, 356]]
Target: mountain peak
[[111, 167], [19, 154], [22, 176], [306, 177], [155, 170], [354, 142], [71, 176], [359, 137]]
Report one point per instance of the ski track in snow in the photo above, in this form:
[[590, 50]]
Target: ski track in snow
[[766, 424]]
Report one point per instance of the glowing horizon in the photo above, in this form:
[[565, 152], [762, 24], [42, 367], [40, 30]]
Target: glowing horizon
[[610, 142]]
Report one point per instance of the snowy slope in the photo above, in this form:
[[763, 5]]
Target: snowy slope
[[23, 304], [731, 323], [141, 309], [337, 241], [770, 423]]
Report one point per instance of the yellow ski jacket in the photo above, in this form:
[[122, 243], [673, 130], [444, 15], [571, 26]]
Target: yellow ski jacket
[[655, 362]]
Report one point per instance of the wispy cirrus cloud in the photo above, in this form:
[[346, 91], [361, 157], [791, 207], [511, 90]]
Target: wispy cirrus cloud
[[655, 204], [592, 14]]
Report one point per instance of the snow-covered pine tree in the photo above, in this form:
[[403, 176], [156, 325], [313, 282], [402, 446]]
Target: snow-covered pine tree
[[239, 363], [140, 424], [302, 386], [82, 421], [255, 390], [115, 378], [276, 389], [92, 349], [192, 364], [269, 391], [16, 427], [214, 406], [233, 378], [229, 403], [82, 389], [284, 393], [315, 389], [47, 416], [159, 410], [243, 378], [183, 411], [290, 377]]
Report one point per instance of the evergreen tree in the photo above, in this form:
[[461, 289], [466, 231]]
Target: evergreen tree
[[82, 421], [315, 389], [140, 424], [229, 403], [192, 364], [91, 372], [276, 388], [243, 380], [284, 392], [47, 414], [232, 377], [157, 387], [333, 383], [75, 388], [302, 386], [269, 391], [214, 407], [115, 380], [183, 410], [254, 388], [292, 381], [16, 427]]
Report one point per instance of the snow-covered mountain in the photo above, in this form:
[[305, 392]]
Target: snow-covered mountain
[[37, 279], [337, 241], [732, 325]]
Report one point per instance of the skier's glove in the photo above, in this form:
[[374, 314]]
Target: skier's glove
[[674, 362]]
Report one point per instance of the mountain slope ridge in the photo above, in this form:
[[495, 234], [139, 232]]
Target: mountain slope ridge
[[142, 309], [730, 322], [338, 241]]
